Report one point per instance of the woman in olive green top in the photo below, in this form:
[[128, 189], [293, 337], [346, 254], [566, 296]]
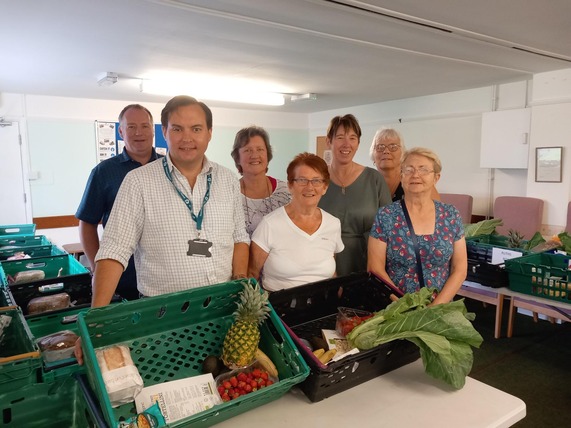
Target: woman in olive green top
[[354, 195]]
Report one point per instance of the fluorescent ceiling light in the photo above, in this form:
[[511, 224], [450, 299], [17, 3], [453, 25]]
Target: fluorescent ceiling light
[[218, 91]]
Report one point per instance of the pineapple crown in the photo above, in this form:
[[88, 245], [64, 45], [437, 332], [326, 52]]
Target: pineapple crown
[[253, 306], [515, 239]]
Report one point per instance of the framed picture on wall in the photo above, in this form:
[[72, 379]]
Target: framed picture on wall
[[548, 164]]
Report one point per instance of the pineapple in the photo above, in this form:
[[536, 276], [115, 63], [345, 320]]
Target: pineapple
[[241, 341], [515, 239]]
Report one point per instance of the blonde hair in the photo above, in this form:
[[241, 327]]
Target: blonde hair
[[383, 134], [427, 153]]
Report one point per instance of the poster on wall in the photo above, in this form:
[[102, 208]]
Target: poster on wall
[[159, 141], [106, 140], [110, 143]]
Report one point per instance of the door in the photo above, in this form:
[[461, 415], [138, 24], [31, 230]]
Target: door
[[12, 184]]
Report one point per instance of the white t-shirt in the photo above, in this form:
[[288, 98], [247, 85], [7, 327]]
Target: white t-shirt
[[294, 257]]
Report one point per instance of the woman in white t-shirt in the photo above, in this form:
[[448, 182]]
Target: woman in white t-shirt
[[296, 244]]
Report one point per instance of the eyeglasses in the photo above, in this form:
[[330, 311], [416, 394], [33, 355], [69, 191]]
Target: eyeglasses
[[315, 182], [411, 170], [392, 147]]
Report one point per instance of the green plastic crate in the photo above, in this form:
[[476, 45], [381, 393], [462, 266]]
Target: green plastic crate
[[480, 269], [51, 322], [170, 335], [74, 279], [17, 229], [543, 275], [34, 251], [20, 360], [23, 241], [56, 404], [5, 297]]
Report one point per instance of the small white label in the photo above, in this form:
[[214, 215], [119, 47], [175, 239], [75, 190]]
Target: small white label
[[500, 255]]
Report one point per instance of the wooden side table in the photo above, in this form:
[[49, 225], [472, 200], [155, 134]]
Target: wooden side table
[[493, 296], [76, 250]]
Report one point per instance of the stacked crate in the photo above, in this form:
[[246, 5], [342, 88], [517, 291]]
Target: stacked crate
[[34, 392]]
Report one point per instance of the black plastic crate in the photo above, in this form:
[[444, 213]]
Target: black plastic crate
[[480, 268], [307, 309], [74, 280]]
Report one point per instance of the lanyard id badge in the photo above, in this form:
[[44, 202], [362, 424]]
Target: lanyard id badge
[[196, 247]]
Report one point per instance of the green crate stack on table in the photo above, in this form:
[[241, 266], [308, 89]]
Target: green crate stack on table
[[543, 275], [19, 241], [38, 387]]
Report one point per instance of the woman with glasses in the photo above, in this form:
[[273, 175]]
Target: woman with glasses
[[296, 244], [261, 193], [418, 241], [386, 151], [355, 193]]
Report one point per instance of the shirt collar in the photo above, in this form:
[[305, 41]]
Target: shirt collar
[[207, 166], [124, 156]]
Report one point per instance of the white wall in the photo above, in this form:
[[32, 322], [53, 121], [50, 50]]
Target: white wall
[[551, 126], [59, 133], [449, 123]]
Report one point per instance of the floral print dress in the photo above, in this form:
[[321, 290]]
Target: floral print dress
[[435, 250]]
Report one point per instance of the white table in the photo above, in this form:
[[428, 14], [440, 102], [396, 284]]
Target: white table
[[406, 397]]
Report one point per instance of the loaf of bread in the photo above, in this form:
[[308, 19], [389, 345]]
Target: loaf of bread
[[53, 302], [120, 375], [116, 357], [29, 275], [57, 346]]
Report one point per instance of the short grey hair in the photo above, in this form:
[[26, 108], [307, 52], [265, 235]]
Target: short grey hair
[[383, 134]]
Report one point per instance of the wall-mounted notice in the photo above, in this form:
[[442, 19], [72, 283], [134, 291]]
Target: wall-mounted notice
[[106, 140]]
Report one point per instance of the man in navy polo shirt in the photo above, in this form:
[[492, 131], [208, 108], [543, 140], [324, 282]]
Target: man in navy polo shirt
[[137, 130]]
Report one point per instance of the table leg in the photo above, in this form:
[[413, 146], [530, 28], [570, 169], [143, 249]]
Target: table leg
[[511, 317], [499, 312]]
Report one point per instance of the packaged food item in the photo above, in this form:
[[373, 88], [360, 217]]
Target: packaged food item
[[148, 418], [57, 346], [53, 302], [5, 321], [348, 319], [120, 375], [20, 255], [29, 275]]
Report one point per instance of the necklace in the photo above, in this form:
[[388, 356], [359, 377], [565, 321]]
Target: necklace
[[253, 214], [339, 178]]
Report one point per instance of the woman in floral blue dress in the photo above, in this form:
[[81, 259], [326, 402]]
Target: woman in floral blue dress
[[437, 226]]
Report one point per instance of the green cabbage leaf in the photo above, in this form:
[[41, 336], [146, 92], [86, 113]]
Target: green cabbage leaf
[[444, 334]]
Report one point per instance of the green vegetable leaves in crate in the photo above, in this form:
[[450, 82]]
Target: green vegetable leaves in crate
[[444, 334]]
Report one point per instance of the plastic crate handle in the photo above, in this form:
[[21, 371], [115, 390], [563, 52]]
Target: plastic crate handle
[[35, 265]]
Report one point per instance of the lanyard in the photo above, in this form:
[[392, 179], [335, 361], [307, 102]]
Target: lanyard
[[197, 218]]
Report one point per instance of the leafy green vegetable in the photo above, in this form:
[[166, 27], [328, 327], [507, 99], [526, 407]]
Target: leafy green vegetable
[[534, 241], [444, 333], [565, 239], [484, 227]]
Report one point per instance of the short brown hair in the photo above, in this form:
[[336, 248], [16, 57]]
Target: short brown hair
[[243, 136], [181, 101], [347, 122], [135, 107], [310, 160]]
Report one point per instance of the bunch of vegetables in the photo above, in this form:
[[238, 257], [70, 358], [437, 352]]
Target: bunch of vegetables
[[444, 334], [537, 243]]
